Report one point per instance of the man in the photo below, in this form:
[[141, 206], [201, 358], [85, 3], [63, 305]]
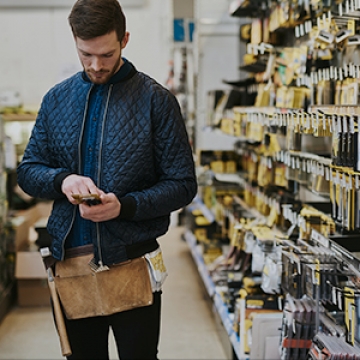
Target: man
[[115, 132]]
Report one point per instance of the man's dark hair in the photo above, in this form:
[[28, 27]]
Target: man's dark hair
[[92, 18]]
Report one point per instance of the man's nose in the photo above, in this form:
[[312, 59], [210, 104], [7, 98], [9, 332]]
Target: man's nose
[[96, 63]]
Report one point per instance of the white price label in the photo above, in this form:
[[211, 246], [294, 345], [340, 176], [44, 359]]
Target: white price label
[[327, 174]]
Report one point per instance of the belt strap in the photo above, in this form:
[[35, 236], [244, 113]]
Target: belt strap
[[79, 251], [132, 251]]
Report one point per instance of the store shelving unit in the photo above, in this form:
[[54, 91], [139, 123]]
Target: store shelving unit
[[7, 251], [322, 188], [7, 233]]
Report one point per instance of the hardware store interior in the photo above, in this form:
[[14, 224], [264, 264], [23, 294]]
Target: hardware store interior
[[265, 261]]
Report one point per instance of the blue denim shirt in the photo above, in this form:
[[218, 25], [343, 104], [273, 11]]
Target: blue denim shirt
[[83, 231]]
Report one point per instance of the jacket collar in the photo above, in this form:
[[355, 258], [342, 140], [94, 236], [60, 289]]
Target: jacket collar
[[126, 72]]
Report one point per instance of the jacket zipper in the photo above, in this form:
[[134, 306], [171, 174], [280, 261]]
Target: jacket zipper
[[79, 168], [101, 264]]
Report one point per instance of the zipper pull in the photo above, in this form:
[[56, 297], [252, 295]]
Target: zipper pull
[[97, 267]]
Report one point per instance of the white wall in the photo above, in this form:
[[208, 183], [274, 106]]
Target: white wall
[[37, 49], [217, 48]]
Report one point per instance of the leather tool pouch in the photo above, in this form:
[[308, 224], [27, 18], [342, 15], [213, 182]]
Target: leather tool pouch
[[85, 293]]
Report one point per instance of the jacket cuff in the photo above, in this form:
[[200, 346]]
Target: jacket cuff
[[59, 178], [128, 207]]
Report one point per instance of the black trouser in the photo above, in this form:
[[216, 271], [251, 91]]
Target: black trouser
[[136, 334]]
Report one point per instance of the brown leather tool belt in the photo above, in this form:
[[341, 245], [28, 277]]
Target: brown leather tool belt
[[85, 292]]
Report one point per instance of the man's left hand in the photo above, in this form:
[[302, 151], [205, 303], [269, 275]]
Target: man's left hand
[[108, 209]]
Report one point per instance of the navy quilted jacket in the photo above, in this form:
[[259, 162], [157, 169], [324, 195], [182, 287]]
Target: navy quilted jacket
[[143, 157]]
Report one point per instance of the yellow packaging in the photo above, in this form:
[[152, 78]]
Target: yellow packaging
[[201, 234], [227, 126], [263, 95], [201, 221], [237, 126], [256, 31], [280, 178], [281, 96], [230, 167], [254, 131], [272, 218], [217, 166], [338, 89]]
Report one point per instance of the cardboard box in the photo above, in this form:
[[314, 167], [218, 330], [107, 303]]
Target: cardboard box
[[30, 273], [23, 220], [33, 292], [32, 286]]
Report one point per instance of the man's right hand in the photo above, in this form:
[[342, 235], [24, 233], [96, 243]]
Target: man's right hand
[[77, 184]]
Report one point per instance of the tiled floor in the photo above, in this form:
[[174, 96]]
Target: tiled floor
[[188, 328]]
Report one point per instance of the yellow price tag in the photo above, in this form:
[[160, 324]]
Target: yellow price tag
[[317, 272], [351, 26]]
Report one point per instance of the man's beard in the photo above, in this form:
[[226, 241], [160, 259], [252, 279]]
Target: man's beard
[[105, 75]]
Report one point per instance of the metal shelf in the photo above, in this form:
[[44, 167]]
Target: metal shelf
[[199, 261], [18, 117], [247, 8], [221, 309]]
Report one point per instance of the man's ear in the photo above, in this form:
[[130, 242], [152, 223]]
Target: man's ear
[[125, 40]]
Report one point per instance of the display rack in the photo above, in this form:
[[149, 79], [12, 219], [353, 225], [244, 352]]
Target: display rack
[[298, 148], [7, 243], [22, 123], [220, 308]]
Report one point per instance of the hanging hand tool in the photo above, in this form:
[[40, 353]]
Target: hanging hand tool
[[59, 317]]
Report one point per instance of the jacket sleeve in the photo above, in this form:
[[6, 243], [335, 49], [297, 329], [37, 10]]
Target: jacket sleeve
[[176, 185], [36, 172]]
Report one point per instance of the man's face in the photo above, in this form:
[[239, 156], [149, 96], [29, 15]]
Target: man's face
[[101, 56]]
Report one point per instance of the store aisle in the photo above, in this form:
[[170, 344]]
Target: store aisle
[[188, 328]]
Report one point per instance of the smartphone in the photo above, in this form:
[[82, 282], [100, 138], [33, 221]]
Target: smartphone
[[89, 199]]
